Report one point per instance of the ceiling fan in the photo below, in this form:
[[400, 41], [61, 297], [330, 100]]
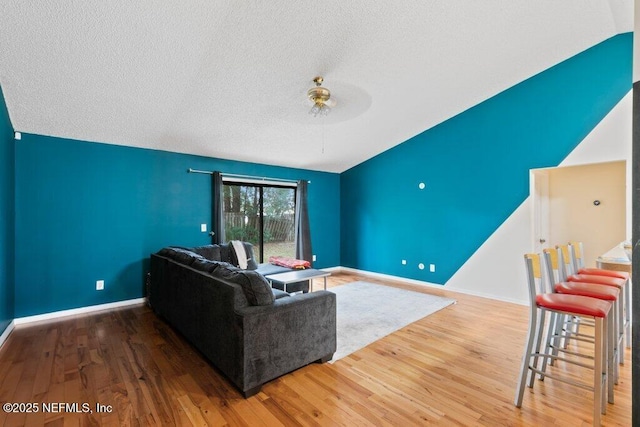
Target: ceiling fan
[[321, 98]]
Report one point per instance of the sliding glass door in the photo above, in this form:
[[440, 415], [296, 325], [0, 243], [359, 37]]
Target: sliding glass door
[[261, 214]]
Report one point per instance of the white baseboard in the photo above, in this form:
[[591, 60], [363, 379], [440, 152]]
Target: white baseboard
[[338, 269], [333, 269], [422, 283], [390, 277], [75, 311], [7, 332]]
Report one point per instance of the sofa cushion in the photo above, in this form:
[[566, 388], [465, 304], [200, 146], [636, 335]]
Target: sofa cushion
[[183, 256], [207, 266], [210, 252], [201, 265], [220, 266], [248, 249], [277, 293], [224, 252], [223, 270]]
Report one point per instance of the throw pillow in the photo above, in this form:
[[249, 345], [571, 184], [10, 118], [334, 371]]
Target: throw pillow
[[256, 288]]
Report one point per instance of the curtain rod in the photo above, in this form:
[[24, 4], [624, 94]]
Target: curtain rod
[[247, 177]]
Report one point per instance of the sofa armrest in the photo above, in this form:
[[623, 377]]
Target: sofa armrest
[[287, 335]]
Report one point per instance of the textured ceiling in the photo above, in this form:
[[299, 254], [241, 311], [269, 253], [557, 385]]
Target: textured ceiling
[[229, 79]]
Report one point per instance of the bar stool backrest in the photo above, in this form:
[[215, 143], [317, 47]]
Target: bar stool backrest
[[553, 265], [564, 260], [576, 250], [535, 279]]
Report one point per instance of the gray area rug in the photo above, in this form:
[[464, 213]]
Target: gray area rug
[[367, 312]]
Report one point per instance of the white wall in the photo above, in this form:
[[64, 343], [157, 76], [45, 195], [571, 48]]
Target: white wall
[[575, 217], [496, 269]]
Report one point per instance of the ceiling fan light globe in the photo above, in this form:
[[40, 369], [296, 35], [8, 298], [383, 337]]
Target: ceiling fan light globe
[[319, 109]]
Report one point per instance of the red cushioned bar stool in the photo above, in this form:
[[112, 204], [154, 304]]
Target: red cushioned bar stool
[[543, 302], [576, 249], [568, 275], [606, 293], [556, 274]]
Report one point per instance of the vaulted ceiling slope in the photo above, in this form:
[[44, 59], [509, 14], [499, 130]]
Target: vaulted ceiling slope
[[229, 79]]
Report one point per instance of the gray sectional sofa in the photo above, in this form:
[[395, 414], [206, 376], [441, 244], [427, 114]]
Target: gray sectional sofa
[[249, 331]]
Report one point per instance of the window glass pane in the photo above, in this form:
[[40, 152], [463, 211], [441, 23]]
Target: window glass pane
[[242, 214], [262, 215], [279, 211]]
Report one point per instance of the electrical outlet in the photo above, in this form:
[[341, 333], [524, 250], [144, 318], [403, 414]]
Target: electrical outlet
[[432, 268], [203, 228], [99, 285], [404, 262], [313, 257]]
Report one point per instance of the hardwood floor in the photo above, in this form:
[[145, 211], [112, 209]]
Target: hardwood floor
[[455, 367]]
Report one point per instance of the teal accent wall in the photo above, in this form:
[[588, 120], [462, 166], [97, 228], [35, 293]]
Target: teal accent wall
[[83, 211], [88, 211], [7, 217], [475, 167]]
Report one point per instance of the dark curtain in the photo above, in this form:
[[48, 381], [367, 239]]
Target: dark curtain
[[303, 232], [217, 209]]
